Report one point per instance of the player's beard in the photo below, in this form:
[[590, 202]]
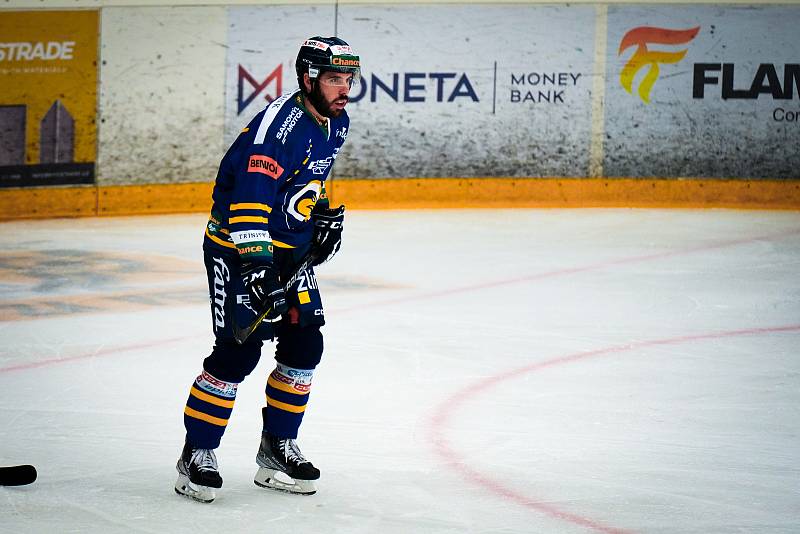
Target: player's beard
[[323, 106]]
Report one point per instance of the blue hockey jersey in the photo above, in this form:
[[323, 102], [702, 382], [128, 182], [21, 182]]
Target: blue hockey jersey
[[270, 179]]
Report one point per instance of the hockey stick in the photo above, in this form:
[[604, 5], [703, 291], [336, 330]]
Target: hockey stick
[[241, 334], [17, 475]]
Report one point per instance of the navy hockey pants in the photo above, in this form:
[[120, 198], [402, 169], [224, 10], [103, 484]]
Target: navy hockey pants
[[298, 351]]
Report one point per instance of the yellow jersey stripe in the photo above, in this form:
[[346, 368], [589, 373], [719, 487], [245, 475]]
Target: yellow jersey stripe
[[283, 387], [203, 396], [251, 206], [281, 244], [286, 407], [219, 241], [205, 417], [248, 218]]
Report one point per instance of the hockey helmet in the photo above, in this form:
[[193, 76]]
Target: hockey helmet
[[319, 54]]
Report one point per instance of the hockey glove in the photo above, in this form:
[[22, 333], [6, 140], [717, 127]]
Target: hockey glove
[[263, 285], [328, 225]]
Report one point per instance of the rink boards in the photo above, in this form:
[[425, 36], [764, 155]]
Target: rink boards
[[460, 105]]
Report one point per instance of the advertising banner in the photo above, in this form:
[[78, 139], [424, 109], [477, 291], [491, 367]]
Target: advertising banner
[[447, 90], [48, 101], [263, 42], [703, 91]]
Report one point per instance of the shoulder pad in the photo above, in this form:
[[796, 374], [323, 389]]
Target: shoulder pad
[[279, 119]]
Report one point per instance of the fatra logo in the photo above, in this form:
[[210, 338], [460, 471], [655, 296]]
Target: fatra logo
[[221, 276], [643, 57], [255, 87]]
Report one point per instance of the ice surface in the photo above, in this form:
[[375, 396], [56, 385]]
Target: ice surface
[[486, 371]]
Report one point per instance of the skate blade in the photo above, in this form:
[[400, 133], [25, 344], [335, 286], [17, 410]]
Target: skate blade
[[280, 481], [194, 491]]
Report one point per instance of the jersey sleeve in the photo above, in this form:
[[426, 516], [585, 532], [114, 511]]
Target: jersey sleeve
[[261, 169], [340, 134]]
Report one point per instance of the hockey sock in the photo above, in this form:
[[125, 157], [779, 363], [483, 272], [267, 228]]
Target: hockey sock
[[287, 396], [207, 410]]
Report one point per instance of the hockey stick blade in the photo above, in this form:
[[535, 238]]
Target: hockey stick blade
[[17, 475], [240, 334]]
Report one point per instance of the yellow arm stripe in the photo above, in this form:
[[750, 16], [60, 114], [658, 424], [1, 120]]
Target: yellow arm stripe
[[248, 218], [251, 206], [286, 407], [205, 417], [283, 387], [281, 244], [219, 241], [210, 398]]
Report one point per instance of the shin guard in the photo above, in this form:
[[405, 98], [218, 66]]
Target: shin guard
[[287, 392], [207, 410]]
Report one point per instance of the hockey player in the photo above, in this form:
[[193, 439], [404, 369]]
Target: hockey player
[[270, 209]]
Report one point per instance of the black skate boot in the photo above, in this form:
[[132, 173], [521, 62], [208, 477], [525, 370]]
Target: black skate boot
[[281, 466], [197, 474]]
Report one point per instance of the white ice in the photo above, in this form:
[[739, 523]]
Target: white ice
[[485, 371]]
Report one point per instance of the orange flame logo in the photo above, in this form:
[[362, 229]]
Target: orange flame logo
[[641, 37]]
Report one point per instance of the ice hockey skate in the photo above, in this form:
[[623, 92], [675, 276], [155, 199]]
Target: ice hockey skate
[[282, 467], [198, 476]]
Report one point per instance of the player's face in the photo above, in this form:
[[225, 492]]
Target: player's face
[[330, 94]]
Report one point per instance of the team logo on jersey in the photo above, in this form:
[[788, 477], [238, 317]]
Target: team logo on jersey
[[302, 202], [264, 165]]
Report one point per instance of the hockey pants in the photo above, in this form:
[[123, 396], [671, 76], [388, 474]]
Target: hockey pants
[[298, 351]]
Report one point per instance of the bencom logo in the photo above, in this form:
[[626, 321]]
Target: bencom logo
[[643, 57], [257, 87]]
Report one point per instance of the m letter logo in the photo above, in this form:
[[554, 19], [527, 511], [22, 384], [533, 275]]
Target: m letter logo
[[264, 165], [643, 57], [244, 76]]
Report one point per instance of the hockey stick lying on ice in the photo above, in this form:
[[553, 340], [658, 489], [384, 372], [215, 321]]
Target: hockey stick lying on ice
[[17, 475], [241, 334]]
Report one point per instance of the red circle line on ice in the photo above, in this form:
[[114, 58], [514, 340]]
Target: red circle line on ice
[[445, 451]]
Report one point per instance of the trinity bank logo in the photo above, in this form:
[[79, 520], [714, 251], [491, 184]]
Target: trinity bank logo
[[645, 58]]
